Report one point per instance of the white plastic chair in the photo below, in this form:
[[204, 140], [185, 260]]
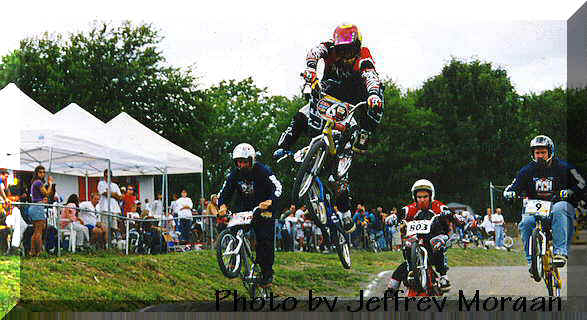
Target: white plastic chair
[[68, 231]]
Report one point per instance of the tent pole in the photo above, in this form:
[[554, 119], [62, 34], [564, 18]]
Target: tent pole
[[50, 158], [166, 191], [108, 199], [202, 183], [491, 194], [87, 191]]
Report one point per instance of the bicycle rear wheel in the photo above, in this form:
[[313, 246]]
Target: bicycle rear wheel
[[343, 250], [255, 290]]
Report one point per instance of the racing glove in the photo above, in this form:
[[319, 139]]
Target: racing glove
[[565, 194], [310, 75], [374, 101]]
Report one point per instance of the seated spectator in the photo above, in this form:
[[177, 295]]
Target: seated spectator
[[15, 222], [148, 208], [88, 214], [168, 224], [70, 213]]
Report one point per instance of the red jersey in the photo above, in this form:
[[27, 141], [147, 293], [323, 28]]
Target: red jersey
[[410, 211]]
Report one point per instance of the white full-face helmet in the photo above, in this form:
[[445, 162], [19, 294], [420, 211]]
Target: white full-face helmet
[[423, 185], [244, 151]]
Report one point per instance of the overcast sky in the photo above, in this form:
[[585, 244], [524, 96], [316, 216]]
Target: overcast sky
[[410, 40]]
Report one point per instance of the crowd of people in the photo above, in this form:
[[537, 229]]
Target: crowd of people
[[295, 228], [89, 220]]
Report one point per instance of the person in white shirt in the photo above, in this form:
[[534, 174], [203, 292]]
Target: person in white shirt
[[184, 205], [15, 221], [498, 223], [88, 213], [291, 225], [488, 225], [169, 223], [390, 225], [115, 196], [148, 207], [157, 207]]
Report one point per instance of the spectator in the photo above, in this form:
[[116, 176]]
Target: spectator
[[4, 190], [221, 219], [375, 226], [169, 223], [290, 223], [88, 214], [359, 218], [185, 206], [301, 212], [69, 213], [397, 236], [157, 206], [298, 233], [15, 221], [279, 243], [129, 199], [487, 225], [391, 230], [174, 208], [138, 209], [148, 208], [115, 196], [39, 190], [292, 208], [498, 222]]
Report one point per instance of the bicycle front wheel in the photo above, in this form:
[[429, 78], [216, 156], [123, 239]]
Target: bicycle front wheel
[[309, 169], [229, 259], [535, 244], [417, 266]]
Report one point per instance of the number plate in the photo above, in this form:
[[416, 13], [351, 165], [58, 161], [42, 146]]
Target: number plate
[[537, 207], [418, 227], [241, 218]]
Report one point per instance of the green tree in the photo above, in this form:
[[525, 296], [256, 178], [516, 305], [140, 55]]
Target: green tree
[[480, 130], [107, 70], [242, 112]]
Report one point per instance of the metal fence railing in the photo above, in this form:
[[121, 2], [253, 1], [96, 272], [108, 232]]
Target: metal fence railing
[[207, 224]]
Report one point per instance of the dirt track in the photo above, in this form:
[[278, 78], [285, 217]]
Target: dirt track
[[504, 280]]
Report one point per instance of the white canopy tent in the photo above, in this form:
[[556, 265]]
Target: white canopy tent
[[68, 146], [177, 160]]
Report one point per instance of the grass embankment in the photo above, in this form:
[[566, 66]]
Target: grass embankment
[[9, 283], [117, 282]]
